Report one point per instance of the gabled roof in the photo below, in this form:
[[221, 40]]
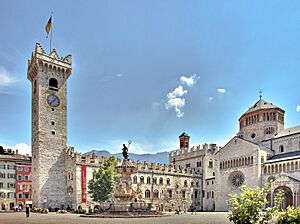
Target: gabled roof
[[288, 131], [236, 137]]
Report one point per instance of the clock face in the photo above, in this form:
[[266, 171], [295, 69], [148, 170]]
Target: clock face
[[53, 100]]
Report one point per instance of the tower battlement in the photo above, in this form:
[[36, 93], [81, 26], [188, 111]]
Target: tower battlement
[[48, 63]]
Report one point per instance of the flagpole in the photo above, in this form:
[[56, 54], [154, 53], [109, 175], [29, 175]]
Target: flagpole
[[51, 31]]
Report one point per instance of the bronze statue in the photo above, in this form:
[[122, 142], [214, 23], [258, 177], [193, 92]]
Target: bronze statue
[[125, 152]]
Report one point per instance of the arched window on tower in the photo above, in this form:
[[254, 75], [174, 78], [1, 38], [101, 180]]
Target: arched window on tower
[[53, 84]]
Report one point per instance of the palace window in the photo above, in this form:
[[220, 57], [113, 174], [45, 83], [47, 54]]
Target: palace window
[[148, 180], [141, 179], [147, 194], [168, 181], [169, 193], [199, 164], [154, 180], [155, 194], [161, 181], [185, 183], [183, 194], [135, 179]]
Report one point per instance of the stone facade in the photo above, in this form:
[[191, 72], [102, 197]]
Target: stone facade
[[48, 75]]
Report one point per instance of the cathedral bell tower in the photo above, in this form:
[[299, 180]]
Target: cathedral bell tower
[[48, 75]]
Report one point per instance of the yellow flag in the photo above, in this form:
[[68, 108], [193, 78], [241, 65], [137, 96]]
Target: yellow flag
[[48, 26]]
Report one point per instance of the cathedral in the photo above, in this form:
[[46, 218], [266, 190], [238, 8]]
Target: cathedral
[[196, 178]]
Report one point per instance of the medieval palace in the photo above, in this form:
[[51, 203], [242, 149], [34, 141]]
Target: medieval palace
[[199, 177]]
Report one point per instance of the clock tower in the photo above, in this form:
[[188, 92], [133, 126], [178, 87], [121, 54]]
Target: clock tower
[[48, 75]]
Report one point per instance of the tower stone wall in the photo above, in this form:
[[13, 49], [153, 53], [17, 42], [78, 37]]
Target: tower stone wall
[[48, 75]]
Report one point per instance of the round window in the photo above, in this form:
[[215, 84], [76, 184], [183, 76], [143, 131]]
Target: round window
[[236, 179], [253, 135]]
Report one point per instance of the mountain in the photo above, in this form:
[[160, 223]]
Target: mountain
[[160, 157]]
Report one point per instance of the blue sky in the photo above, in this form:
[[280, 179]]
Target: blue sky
[[129, 57]]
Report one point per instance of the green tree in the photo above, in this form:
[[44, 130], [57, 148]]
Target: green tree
[[289, 216], [104, 180], [247, 207]]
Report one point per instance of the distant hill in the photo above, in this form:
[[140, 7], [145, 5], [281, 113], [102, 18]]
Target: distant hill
[[160, 157]]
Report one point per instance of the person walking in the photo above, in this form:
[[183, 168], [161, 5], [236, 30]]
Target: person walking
[[27, 211]]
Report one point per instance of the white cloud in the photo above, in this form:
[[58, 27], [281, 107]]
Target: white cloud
[[22, 148], [177, 103], [221, 90], [298, 108], [6, 78], [178, 92], [210, 98], [189, 81], [109, 78]]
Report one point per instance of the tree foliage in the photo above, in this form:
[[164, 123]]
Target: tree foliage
[[289, 216], [247, 207], [104, 180]]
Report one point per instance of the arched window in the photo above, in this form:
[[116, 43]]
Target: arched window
[[281, 148], [147, 193], [161, 181], [197, 184], [20, 177], [185, 183], [53, 83], [141, 179], [148, 180], [183, 194], [25, 177], [168, 181], [155, 194], [154, 180], [192, 184], [135, 179], [210, 164]]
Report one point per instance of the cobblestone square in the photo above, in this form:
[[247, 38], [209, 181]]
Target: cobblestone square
[[52, 218]]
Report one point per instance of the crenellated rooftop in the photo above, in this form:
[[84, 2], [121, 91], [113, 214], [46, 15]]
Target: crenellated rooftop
[[199, 150], [40, 60], [78, 158]]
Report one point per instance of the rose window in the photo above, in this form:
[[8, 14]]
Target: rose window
[[237, 179]]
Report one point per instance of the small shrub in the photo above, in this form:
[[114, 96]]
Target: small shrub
[[45, 211], [61, 211], [289, 216], [80, 211]]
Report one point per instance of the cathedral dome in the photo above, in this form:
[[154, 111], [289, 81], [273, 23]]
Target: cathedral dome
[[261, 104]]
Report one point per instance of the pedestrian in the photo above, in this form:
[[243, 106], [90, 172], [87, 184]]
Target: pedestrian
[[27, 211]]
